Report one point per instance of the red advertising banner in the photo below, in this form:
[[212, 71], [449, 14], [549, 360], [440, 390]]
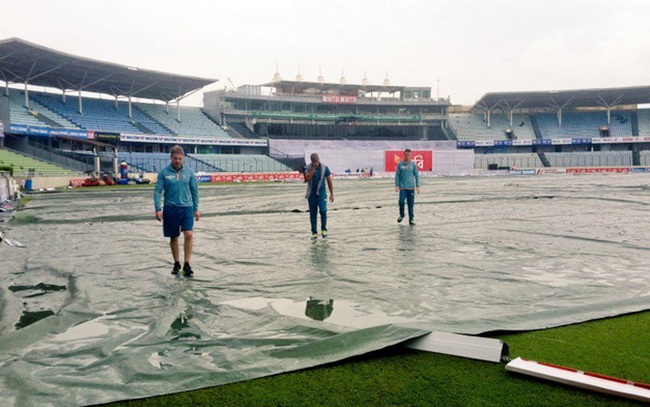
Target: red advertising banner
[[596, 170], [343, 100], [422, 158]]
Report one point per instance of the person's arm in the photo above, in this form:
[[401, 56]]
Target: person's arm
[[157, 195], [309, 174], [331, 187], [194, 190], [417, 178]]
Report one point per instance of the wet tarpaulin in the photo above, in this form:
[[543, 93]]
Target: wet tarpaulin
[[90, 312]]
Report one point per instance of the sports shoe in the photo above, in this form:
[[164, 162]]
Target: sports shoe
[[411, 222], [324, 233], [314, 236], [187, 270], [399, 220], [177, 268]]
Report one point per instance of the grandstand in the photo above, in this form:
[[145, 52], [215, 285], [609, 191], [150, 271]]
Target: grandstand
[[23, 165], [584, 124], [329, 111], [472, 126], [194, 121]]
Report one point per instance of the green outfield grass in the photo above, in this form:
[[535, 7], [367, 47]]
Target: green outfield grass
[[617, 347]]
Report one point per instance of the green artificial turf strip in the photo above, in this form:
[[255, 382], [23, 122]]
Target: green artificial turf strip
[[401, 377]]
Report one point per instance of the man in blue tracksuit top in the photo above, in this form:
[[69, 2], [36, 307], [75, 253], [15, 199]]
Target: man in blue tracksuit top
[[181, 206], [407, 182], [316, 175]]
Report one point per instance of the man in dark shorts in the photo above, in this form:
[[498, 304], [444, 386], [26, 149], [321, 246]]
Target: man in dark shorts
[[181, 206]]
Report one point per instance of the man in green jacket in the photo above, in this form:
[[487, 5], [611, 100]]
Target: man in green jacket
[[407, 182], [181, 207]]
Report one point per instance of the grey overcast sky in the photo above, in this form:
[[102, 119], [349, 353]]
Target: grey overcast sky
[[471, 47]]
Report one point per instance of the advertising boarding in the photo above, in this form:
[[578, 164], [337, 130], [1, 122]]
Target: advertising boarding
[[422, 158]]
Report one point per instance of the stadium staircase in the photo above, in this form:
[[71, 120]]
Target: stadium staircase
[[46, 120], [142, 127], [296, 163], [538, 132], [241, 130], [544, 159], [449, 132], [161, 128], [634, 119]]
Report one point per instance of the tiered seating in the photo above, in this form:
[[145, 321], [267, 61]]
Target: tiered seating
[[469, 126], [23, 165], [193, 121], [584, 124], [519, 160], [98, 114], [590, 159], [242, 162], [154, 162], [50, 114], [19, 113]]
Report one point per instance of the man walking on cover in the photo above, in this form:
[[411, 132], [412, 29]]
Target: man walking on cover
[[407, 182], [180, 209], [316, 174]]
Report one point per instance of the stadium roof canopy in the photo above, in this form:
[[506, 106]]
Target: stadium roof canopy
[[560, 99], [32, 64], [318, 87]]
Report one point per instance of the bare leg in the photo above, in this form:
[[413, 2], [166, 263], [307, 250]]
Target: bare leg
[[187, 245], [173, 243]]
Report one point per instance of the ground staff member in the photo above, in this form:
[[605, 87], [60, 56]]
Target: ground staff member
[[407, 182], [181, 206], [316, 174]]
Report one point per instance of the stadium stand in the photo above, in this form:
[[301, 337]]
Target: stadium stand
[[518, 160], [471, 126], [19, 113], [241, 162], [154, 162], [584, 124], [194, 122], [590, 159], [24, 165], [98, 114]]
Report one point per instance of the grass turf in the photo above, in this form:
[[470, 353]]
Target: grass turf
[[401, 377]]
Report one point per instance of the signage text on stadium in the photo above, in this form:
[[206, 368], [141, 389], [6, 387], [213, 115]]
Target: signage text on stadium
[[343, 100]]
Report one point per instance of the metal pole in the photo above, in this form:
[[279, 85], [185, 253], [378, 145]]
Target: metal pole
[[130, 112], [559, 117], [489, 114], [116, 102], [178, 110], [26, 96], [81, 107], [609, 116]]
